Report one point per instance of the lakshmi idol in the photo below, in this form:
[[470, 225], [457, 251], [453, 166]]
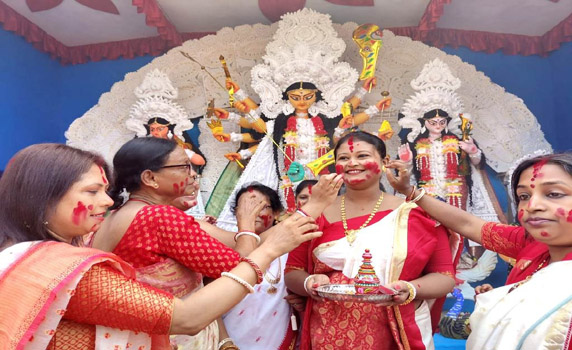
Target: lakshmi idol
[[444, 160]]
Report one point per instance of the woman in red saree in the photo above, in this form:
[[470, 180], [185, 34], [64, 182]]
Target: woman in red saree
[[58, 296], [165, 245], [542, 189], [410, 253]]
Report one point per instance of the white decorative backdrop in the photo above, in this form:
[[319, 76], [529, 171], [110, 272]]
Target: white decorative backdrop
[[503, 126]]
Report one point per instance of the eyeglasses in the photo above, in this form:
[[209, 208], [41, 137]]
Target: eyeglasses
[[189, 167]]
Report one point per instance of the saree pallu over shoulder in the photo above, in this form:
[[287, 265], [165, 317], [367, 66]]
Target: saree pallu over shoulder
[[38, 280], [536, 315], [404, 243]]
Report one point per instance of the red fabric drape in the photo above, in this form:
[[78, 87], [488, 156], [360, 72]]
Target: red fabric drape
[[100, 5], [154, 17], [274, 9], [42, 5], [352, 2], [429, 20]]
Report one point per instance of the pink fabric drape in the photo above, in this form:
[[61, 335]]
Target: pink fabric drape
[[274, 9], [154, 17], [352, 2]]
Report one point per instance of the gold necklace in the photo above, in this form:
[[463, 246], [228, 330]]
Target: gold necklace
[[351, 234], [274, 279]]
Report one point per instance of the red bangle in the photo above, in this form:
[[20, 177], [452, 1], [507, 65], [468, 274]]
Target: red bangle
[[409, 197], [255, 267]]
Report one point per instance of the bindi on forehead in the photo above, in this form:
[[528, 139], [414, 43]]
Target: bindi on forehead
[[351, 144], [103, 178]]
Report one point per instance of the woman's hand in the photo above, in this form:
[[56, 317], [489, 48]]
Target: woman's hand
[[247, 209], [289, 234], [297, 302], [323, 194], [401, 182], [483, 288], [313, 282]]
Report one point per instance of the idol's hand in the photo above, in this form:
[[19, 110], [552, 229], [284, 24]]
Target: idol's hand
[[221, 136], [220, 113], [346, 122], [241, 107], [233, 156], [369, 83], [231, 84], [469, 146], [404, 153], [400, 182], [383, 104]]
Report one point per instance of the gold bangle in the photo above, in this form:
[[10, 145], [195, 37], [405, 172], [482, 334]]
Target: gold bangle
[[412, 293], [419, 196], [411, 194], [229, 347]]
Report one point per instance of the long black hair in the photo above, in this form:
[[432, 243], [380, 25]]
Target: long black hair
[[281, 121], [34, 182], [133, 158]]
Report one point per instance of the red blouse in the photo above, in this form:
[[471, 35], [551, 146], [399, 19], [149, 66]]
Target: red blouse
[[515, 242], [161, 231]]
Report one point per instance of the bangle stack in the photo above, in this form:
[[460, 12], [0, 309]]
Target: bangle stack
[[247, 233], [409, 197], [255, 267], [412, 293], [224, 341], [238, 280], [417, 198], [229, 347]]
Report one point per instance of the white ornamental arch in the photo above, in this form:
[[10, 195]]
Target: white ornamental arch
[[499, 117]]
